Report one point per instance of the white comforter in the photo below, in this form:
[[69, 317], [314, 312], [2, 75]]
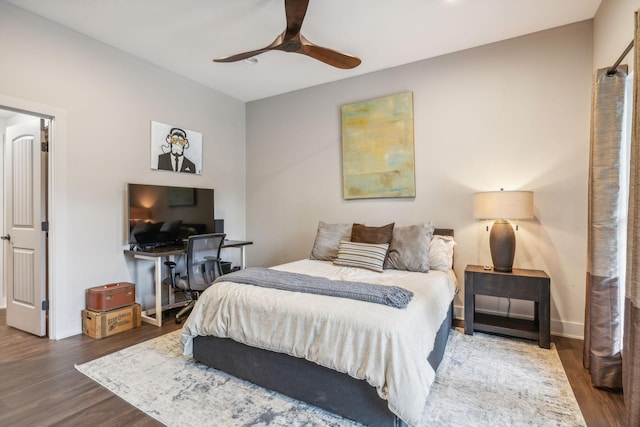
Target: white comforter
[[387, 347]]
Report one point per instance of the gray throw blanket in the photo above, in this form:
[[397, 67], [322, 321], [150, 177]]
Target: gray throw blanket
[[393, 296]]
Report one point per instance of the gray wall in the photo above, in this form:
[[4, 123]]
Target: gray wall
[[104, 101], [512, 115]]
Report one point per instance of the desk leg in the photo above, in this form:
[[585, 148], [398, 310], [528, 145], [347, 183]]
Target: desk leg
[[145, 317], [159, 284], [149, 316], [243, 264], [170, 294], [158, 275]]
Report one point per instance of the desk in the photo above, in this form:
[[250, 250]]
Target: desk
[[159, 256]]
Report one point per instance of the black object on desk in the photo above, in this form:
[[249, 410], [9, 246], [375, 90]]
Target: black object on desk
[[530, 285]]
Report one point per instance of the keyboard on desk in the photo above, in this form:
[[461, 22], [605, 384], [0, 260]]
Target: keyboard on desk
[[153, 246]]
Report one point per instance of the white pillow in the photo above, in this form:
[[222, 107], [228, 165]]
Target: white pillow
[[441, 253], [363, 255]]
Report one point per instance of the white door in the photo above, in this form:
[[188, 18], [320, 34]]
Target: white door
[[24, 241]]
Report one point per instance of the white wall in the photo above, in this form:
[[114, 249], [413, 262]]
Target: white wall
[[513, 114], [106, 100], [3, 289], [612, 31]]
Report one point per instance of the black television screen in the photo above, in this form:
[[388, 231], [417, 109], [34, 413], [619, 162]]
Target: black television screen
[[164, 215]]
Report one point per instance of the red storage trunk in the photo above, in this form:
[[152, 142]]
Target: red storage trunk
[[111, 296]]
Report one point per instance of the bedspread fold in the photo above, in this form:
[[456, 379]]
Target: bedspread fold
[[393, 296]]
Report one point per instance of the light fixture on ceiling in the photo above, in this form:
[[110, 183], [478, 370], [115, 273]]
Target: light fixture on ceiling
[[291, 40], [251, 60]]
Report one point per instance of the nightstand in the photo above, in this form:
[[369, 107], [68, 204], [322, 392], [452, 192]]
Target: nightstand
[[529, 285]]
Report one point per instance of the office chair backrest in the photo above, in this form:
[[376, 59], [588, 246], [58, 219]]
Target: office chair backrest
[[203, 259]]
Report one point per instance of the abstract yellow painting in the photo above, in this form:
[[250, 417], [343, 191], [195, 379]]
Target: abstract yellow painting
[[377, 148]]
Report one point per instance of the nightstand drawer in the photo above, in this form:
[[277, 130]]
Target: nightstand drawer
[[499, 285]]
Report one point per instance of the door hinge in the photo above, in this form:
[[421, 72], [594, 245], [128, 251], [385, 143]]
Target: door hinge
[[45, 147], [45, 225], [45, 305]]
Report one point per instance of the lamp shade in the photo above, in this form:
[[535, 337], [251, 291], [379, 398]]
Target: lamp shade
[[503, 205]]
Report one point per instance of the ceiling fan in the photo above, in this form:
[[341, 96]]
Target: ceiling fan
[[291, 40]]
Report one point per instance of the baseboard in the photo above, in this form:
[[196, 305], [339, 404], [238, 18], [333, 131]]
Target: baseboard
[[558, 327], [567, 329], [458, 312]]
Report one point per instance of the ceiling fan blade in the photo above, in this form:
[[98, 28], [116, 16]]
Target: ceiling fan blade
[[291, 40], [295, 11], [329, 56], [241, 56]]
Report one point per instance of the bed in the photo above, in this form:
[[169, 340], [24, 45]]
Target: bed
[[363, 361]]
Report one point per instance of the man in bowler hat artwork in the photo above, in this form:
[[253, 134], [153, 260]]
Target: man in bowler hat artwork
[[173, 158]]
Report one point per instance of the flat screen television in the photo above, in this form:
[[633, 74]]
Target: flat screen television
[[161, 215]]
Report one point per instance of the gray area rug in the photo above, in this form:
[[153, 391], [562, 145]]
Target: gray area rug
[[483, 381]]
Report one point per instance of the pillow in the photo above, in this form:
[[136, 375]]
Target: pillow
[[363, 255], [362, 234], [441, 253], [140, 228], [145, 232], [171, 226], [325, 247], [409, 248]]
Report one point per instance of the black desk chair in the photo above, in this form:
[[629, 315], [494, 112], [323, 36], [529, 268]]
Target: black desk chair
[[203, 259]]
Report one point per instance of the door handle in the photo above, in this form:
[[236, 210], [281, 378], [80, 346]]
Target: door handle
[[7, 237]]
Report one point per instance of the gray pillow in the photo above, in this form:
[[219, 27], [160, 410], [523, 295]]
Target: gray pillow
[[171, 226], [409, 249], [328, 237]]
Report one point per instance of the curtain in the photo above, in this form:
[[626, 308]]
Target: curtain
[[631, 351], [602, 354]]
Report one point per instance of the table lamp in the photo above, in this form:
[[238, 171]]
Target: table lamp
[[502, 206], [141, 214]]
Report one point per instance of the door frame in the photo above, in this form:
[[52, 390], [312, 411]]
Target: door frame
[[55, 206]]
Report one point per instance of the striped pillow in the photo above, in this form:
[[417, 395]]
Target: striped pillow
[[364, 255]]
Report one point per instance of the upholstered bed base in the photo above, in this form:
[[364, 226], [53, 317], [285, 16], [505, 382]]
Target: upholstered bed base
[[306, 381]]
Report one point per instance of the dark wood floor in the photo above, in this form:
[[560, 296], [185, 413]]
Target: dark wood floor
[[600, 408], [39, 385]]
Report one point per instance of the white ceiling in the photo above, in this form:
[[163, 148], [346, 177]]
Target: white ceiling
[[184, 36]]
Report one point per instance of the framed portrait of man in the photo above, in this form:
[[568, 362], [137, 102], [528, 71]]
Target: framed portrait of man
[[175, 149]]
